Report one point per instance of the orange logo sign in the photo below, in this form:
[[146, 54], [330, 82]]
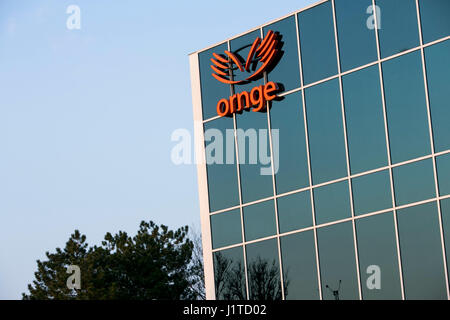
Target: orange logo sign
[[262, 52]]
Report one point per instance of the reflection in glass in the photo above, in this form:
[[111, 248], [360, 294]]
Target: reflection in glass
[[294, 211], [212, 90], [437, 59], [443, 173], [264, 271], [406, 107], [372, 192], [318, 46], [222, 177], [421, 252], [299, 266], [377, 250], [414, 182], [251, 138], [286, 71], [259, 220], [435, 19], [399, 29], [357, 43], [365, 121], [332, 202], [226, 228], [287, 116], [326, 133], [337, 262], [229, 274]]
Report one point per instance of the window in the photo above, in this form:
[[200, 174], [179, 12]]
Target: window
[[318, 46], [226, 228], [254, 156], [229, 274], [325, 130], [365, 121], [286, 115], [414, 182], [294, 211], [299, 266], [399, 29], [435, 21], [263, 271], [222, 177], [372, 192], [357, 42], [437, 59], [332, 202], [377, 250], [443, 173], [259, 220], [406, 107], [421, 252], [210, 87], [337, 262], [286, 71]]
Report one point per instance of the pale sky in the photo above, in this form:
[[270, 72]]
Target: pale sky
[[86, 118]]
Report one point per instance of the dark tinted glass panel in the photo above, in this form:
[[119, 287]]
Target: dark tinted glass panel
[[406, 107], [435, 16], [357, 42], [421, 252], [222, 177], [226, 228], [443, 173], [372, 192], [438, 74], [241, 47], [212, 90], [254, 156], [337, 262], [325, 130], [414, 182], [332, 202], [299, 266], [286, 115], [317, 42], [399, 29], [365, 122], [263, 271], [229, 274], [445, 209], [294, 211], [286, 71], [377, 249], [259, 220]]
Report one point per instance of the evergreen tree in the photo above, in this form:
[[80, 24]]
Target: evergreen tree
[[157, 263]]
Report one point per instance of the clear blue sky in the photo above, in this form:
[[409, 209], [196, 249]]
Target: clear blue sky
[[86, 118]]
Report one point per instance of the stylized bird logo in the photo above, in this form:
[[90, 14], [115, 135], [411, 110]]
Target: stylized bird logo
[[262, 51]]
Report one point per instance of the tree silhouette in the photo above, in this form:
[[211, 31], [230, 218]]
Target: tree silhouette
[[155, 264]]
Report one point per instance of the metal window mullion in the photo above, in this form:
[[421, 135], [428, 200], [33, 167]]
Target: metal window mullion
[[269, 130], [347, 157], [305, 123], [244, 249], [391, 178], [430, 127]]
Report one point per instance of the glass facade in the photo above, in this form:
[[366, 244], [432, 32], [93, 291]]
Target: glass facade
[[339, 188]]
